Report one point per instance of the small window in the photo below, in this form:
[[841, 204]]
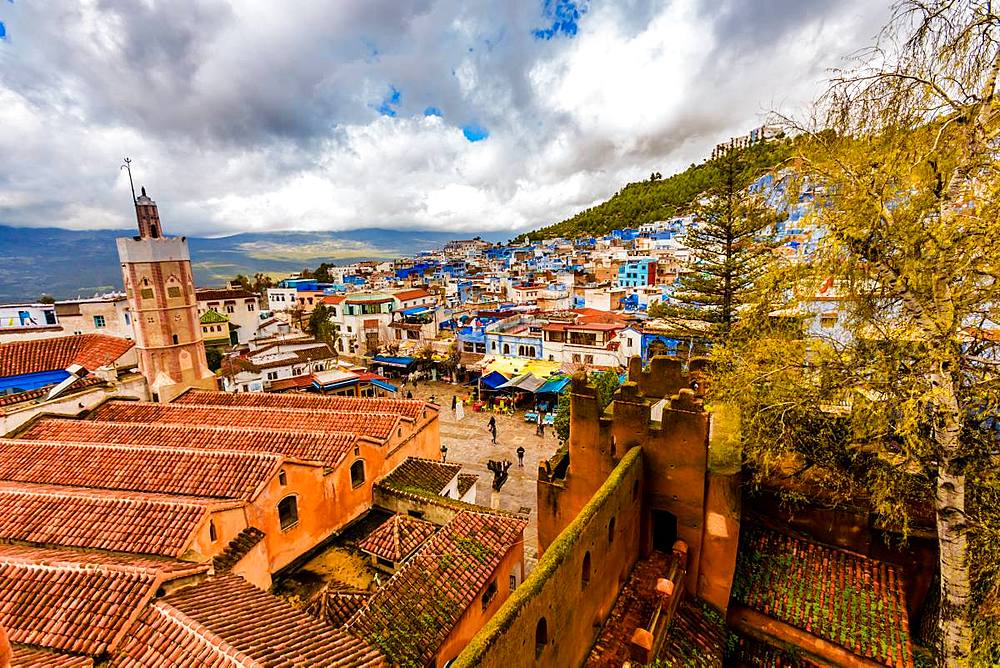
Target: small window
[[282, 478], [230, 308], [611, 530], [541, 636], [173, 291], [385, 562], [272, 375], [175, 339], [99, 321], [585, 574], [212, 533], [419, 514], [146, 293], [489, 594], [513, 582], [357, 473], [288, 512]]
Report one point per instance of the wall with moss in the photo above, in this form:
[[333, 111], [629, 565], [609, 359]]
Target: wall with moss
[[572, 609]]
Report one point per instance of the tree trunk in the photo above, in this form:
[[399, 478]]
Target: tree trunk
[[956, 632]]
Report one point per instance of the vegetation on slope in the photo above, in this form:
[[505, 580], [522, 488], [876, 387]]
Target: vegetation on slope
[[659, 198]]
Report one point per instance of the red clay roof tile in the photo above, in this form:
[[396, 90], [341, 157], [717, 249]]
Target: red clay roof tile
[[425, 474], [30, 657], [220, 474], [90, 351], [100, 519], [409, 408], [377, 425], [441, 581], [397, 538], [328, 448], [227, 619]]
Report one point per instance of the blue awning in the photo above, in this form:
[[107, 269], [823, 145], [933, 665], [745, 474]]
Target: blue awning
[[416, 310], [493, 380], [399, 362], [389, 387], [555, 386], [333, 386]]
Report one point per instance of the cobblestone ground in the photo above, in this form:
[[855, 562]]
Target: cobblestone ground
[[469, 444]]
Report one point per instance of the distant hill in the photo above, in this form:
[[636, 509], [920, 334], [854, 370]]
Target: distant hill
[[661, 199], [67, 264]]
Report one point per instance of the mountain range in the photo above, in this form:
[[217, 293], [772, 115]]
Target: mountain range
[[68, 263]]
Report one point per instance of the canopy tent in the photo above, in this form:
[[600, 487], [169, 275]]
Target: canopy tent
[[387, 386], [492, 380], [513, 366], [525, 382], [397, 362], [554, 386]]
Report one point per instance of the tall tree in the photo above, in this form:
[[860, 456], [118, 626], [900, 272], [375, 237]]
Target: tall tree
[[320, 325], [905, 173], [730, 248]]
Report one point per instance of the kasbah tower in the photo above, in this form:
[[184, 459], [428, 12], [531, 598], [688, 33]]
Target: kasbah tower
[[160, 288]]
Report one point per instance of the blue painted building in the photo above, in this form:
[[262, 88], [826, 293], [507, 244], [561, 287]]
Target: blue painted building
[[637, 273]]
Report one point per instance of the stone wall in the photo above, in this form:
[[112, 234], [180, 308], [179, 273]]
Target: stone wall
[[606, 534]]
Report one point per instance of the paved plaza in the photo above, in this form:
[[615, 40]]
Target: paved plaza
[[469, 444]]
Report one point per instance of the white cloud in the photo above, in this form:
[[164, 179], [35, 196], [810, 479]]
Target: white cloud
[[249, 116]]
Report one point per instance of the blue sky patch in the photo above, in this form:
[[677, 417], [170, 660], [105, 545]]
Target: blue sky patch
[[475, 132], [432, 111], [564, 15], [390, 102]]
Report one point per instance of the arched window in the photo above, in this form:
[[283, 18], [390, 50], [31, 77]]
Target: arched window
[[358, 472], [506, 349], [585, 574], [288, 512], [541, 636], [611, 530]]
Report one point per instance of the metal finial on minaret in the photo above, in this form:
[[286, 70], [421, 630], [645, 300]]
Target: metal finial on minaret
[[127, 166]]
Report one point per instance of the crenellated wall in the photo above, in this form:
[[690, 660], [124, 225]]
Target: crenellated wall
[[606, 535]]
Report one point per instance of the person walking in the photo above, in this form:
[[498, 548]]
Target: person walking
[[492, 426], [454, 402], [459, 411], [539, 425], [520, 456]]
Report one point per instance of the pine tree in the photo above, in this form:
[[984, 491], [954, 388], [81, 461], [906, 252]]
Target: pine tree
[[730, 248]]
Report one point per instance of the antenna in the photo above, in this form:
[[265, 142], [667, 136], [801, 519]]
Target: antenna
[[127, 166]]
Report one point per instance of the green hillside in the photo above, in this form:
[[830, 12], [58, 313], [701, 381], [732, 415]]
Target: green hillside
[[659, 199]]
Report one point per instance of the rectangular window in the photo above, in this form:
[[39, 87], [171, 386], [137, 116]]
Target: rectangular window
[[489, 594], [272, 375], [230, 308], [146, 293], [588, 359], [99, 321], [173, 291]]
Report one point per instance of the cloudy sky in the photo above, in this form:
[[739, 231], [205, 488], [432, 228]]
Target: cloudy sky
[[461, 115]]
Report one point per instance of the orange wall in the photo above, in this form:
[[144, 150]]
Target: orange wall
[[473, 619]]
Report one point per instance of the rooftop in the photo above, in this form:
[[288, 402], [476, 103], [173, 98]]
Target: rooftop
[[839, 596], [414, 612], [225, 621], [423, 474], [397, 538], [91, 351], [220, 474], [329, 448], [377, 425]]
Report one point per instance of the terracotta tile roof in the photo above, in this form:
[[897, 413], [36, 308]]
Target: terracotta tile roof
[[841, 597], [419, 473], [170, 568], [99, 519], [329, 448], [218, 294], [697, 636], [225, 621], [377, 425], [220, 474], [29, 657], [238, 548], [397, 538], [440, 581], [409, 408], [336, 602], [317, 352], [407, 295], [465, 482], [333, 299], [90, 351], [294, 383], [71, 604]]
